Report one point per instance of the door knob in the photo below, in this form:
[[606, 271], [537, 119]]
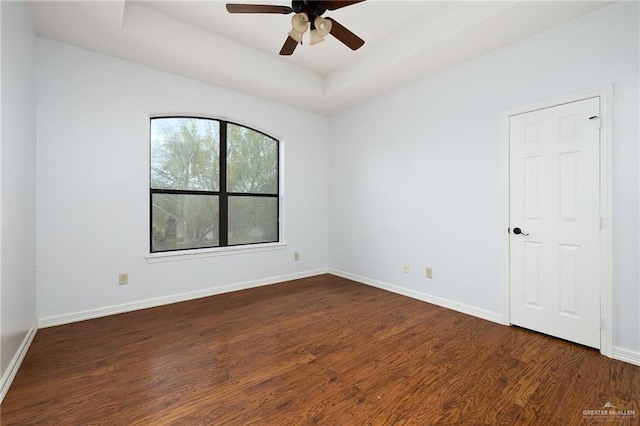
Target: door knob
[[518, 231]]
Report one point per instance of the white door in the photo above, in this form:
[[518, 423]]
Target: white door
[[555, 221]]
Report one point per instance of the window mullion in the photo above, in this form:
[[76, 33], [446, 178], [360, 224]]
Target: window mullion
[[224, 198]]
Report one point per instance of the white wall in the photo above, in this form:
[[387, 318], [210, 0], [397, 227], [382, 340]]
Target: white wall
[[415, 174], [17, 186], [93, 184]]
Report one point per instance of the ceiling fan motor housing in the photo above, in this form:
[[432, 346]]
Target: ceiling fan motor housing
[[311, 8]]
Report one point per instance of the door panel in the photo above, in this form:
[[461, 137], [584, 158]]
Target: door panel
[[554, 199]]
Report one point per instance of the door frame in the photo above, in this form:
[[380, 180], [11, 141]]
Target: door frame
[[605, 93]]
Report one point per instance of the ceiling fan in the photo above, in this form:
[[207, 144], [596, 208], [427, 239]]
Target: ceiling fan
[[307, 13]]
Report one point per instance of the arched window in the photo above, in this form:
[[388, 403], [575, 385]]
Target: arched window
[[213, 184]]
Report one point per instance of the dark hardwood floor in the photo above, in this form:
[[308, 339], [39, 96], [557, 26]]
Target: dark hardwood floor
[[321, 350]]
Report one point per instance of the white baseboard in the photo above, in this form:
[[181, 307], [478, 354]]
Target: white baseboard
[[12, 369], [54, 320], [435, 300], [626, 355]]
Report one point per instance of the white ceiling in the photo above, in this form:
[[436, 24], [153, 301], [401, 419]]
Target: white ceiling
[[405, 41]]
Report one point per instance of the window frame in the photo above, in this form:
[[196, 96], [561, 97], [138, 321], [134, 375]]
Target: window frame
[[223, 196]]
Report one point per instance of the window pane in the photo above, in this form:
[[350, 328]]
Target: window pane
[[252, 161], [181, 222], [185, 154], [253, 220]]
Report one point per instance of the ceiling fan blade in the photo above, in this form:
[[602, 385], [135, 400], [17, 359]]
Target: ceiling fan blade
[[345, 36], [257, 8], [333, 5], [288, 47]]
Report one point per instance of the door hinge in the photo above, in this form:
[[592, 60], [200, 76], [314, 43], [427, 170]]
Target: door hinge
[[597, 120], [601, 323], [601, 223]]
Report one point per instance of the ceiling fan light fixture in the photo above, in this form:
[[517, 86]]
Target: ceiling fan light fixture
[[300, 22], [315, 37], [323, 26]]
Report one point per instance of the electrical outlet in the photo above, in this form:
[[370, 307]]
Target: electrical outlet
[[405, 268], [429, 272], [296, 256], [123, 279]]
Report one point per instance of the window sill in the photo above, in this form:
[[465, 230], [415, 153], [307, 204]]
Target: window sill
[[211, 252]]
